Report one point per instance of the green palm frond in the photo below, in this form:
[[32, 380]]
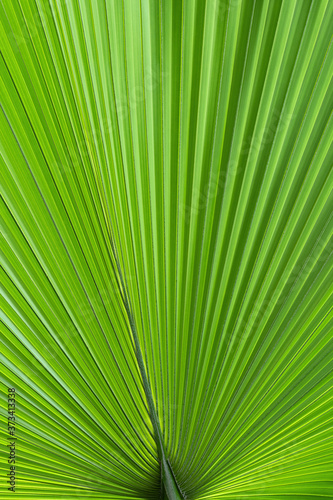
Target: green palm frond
[[167, 249]]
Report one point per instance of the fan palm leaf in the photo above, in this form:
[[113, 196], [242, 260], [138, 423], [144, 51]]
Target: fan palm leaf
[[166, 324]]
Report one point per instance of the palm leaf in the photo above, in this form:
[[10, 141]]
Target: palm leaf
[[167, 248]]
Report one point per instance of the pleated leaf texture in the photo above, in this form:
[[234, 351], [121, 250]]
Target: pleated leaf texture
[[167, 279]]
